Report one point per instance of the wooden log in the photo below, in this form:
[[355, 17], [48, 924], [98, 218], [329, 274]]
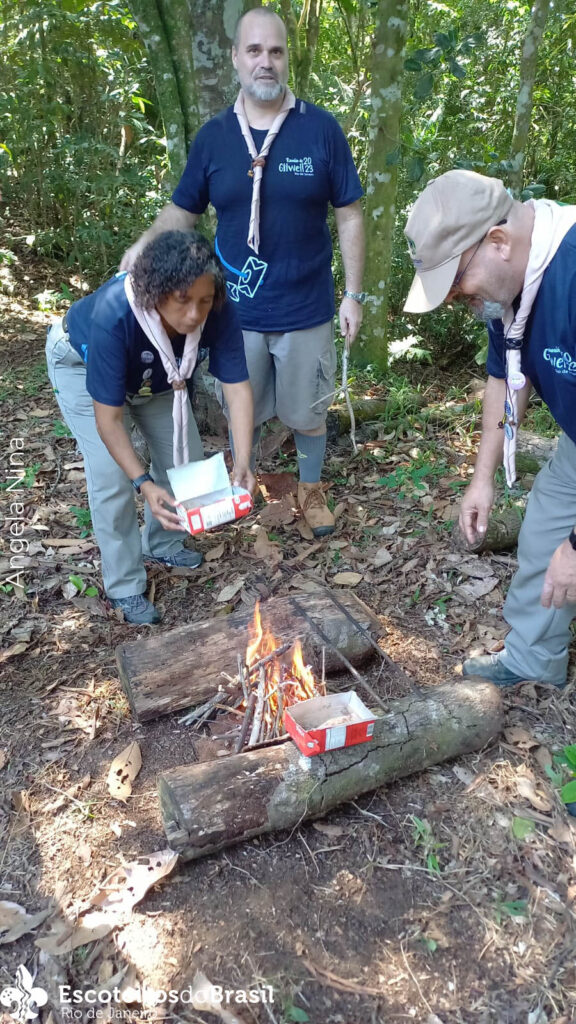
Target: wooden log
[[501, 535], [184, 667], [208, 806]]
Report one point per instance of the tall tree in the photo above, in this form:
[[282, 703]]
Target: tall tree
[[528, 68], [382, 173], [188, 44], [303, 32]]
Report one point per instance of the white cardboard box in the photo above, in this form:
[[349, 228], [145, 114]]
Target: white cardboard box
[[205, 496]]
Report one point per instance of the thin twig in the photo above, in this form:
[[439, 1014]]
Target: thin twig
[[246, 723], [318, 629], [242, 677], [346, 391], [269, 657], [259, 710]]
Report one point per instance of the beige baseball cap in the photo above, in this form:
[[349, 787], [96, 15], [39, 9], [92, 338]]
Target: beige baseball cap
[[452, 213]]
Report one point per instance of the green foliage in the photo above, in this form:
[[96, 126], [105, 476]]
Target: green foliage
[[410, 479], [509, 908], [84, 137], [424, 840], [60, 429], [12, 381], [83, 519], [82, 588], [566, 761], [522, 827]]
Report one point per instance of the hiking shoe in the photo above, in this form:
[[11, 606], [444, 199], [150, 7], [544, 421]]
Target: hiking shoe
[[183, 559], [137, 609], [312, 501], [489, 666]]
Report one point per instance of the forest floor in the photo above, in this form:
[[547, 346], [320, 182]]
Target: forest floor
[[448, 897]]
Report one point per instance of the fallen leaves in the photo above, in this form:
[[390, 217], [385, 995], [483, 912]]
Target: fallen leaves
[[347, 579], [15, 921], [114, 901], [266, 549], [230, 591], [123, 771]]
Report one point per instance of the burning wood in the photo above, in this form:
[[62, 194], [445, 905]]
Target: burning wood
[[267, 682]]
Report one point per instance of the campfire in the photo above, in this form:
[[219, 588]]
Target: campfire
[[271, 678]]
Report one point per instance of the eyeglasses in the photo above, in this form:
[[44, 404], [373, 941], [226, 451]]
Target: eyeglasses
[[460, 274]]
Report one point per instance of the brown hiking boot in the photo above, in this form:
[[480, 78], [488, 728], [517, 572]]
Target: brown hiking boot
[[312, 501]]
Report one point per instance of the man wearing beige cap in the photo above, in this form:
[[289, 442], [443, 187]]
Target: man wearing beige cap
[[514, 265]]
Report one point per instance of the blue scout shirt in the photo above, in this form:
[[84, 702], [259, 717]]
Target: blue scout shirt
[[120, 359], [548, 355], [288, 285]]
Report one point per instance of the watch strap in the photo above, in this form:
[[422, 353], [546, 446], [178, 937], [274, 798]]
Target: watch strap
[[137, 483], [357, 296], [572, 538]]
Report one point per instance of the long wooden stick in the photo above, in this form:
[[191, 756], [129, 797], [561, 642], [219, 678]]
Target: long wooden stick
[[359, 679], [246, 723]]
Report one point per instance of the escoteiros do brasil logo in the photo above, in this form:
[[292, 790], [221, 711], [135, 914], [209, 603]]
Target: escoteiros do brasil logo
[[23, 999]]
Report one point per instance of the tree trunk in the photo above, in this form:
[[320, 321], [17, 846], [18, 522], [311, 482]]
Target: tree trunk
[[384, 135], [184, 667], [528, 68], [303, 35], [188, 43], [208, 806]]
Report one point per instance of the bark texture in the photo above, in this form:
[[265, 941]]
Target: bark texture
[[381, 179], [208, 806], [188, 43], [528, 69], [184, 667]]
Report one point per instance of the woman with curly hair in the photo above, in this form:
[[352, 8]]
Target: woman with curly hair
[[122, 355]]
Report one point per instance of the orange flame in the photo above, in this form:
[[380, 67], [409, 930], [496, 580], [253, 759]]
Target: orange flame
[[286, 682]]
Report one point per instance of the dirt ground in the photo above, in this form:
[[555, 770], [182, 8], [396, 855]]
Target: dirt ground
[[445, 898]]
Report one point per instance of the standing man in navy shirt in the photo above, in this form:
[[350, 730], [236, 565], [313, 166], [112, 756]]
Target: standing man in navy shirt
[[270, 165], [514, 265]]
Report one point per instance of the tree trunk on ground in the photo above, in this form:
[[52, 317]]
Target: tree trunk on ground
[[528, 68], [501, 535], [184, 667], [208, 806], [384, 134]]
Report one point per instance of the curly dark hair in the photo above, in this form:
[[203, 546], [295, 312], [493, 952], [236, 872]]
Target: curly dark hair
[[170, 263]]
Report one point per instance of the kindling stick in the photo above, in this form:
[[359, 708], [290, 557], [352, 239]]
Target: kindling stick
[[318, 629], [367, 636], [246, 723]]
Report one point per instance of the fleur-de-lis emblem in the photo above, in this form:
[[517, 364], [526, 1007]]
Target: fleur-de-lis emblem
[[23, 1000]]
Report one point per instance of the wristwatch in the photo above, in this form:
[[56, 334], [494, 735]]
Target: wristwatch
[[572, 538], [357, 296], [137, 483]]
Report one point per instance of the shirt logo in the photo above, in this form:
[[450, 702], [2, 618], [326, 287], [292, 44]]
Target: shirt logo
[[147, 357], [561, 361], [300, 165]]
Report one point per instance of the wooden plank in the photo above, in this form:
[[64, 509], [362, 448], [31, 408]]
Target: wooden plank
[[208, 806], [183, 667]]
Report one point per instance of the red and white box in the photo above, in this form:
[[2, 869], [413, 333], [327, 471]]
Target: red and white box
[[327, 723], [205, 496]]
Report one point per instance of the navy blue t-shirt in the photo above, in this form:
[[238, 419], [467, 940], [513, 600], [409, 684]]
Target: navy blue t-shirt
[[548, 354], [288, 285], [121, 360]]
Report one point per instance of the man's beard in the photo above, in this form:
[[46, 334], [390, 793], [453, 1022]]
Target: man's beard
[[264, 91], [489, 311]]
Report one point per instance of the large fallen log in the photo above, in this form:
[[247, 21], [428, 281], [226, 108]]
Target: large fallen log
[[184, 667], [208, 806]]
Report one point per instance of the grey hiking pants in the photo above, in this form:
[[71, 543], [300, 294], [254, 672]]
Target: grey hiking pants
[[537, 644], [110, 492]]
